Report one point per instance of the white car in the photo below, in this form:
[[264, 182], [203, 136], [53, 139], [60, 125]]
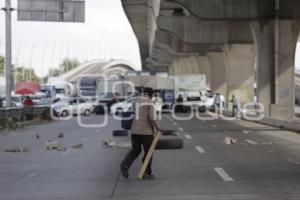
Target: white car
[[74, 106], [158, 102], [16, 101], [192, 100], [123, 106], [39, 98]]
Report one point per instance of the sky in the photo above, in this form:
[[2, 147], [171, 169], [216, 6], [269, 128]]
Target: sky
[[105, 34]]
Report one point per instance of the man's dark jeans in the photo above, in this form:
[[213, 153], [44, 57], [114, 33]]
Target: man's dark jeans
[[234, 110], [137, 142]]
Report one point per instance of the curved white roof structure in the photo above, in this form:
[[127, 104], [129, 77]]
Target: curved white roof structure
[[101, 67]]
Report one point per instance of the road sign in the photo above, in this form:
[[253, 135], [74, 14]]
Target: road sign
[[51, 10]]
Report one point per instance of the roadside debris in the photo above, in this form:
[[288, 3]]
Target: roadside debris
[[267, 143], [229, 140], [251, 142], [60, 135], [17, 150], [248, 131], [50, 145], [112, 143], [124, 144], [77, 146]]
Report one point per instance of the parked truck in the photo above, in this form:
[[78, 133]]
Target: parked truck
[[195, 92]]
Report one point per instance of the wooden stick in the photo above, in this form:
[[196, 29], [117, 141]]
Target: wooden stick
[[149, 155]]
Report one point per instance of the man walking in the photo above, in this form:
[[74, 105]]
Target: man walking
[[217, 103], [234, 105], [141, 133]]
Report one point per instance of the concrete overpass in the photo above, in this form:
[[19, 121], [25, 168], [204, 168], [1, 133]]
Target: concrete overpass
[[236, 43]]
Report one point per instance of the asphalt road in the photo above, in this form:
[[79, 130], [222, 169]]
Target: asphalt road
[[263, 164]]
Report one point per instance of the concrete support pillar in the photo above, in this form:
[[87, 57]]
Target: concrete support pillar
[[263, 34], [285, 70], [218, 72], [240, 60], [191, 65], [205, 68]]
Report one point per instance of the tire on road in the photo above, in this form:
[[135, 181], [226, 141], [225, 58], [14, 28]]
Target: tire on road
[[65, 113], [99, 110], [169, 144], [87, 112], [202, 109], [120, 133]]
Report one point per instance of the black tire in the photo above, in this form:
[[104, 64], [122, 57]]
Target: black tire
[[99, 110], [87, 112], [120, 133], [119, 111], [169, 132], [186, 109], [169, 144], [202, 109], [64, 113]]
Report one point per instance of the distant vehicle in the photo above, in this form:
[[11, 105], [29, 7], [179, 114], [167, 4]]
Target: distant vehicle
[[72, 106], [87, 86], [124, 106], [16, 101], [192, 100], [49, 90], [40, 98], [64, 89], [13, 104], [207, 96], [158, 102]]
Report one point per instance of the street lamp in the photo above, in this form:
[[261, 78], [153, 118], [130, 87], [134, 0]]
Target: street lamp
[[8, 9]]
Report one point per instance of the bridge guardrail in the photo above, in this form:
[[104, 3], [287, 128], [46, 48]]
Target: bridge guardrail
[[13, 116], [11, 112]]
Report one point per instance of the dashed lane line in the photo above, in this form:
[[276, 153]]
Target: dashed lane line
[[180, 129], [84, 139], [200, 149], [221, 172], [65, 152], [292, 161], [251, 142], [188, 137]]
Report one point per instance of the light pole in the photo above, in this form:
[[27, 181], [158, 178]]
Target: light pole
[[8, 9]]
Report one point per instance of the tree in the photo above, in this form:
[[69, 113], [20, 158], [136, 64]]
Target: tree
[[68, 64], [53, 72], [2, 60], [23, 74]]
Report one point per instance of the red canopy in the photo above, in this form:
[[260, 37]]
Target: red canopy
[[27, 88]]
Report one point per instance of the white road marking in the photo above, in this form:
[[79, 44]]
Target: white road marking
[[188, 137], [200, 149], [292, 161], [65, 152], [84, 139], [29, 176], [251, 142], [221, 172], [180, 129], [175, 123]]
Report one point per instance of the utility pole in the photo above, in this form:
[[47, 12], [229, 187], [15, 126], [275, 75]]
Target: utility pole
[[8, 69]]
